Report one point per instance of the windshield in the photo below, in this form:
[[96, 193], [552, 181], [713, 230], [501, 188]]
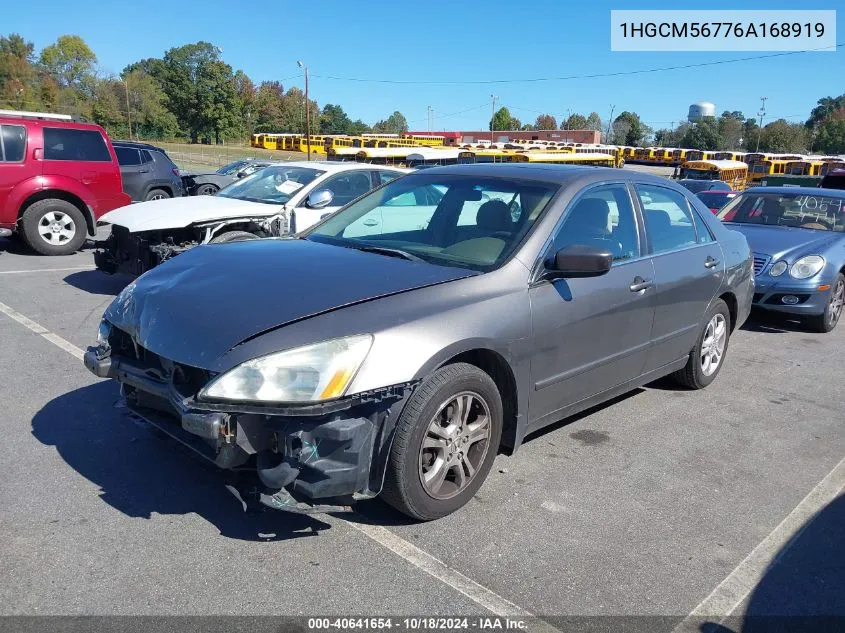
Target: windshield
[[791, 209], [273, 185], [466, 221], [232, 168]]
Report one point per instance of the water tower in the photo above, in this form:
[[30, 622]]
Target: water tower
[[700, 110]]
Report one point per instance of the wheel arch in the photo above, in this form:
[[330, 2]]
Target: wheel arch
[[733, 307], [495, 365], [59, 194]]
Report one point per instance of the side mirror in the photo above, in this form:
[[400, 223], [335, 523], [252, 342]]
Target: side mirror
[[579, 260], [319, 199]]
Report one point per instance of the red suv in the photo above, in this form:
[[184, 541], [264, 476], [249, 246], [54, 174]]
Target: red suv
[[56, 178]]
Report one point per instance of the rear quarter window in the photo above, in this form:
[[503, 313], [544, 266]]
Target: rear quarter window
[[76, 145]]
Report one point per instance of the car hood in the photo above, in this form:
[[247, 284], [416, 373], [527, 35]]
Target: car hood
[[176, 213], [780, 242], [195, 307]]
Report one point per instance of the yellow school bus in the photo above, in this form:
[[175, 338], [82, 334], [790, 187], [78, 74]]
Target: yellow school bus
[[830, 165], [730, 156], [733, 172], [255, 141], [597, 159], [318, 146], [679, 156], [763, 168], [804, 167], [427, 140]]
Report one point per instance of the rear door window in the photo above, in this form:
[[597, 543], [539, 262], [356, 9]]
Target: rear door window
[[12, 143], [668, 218], [127, 156], [76, 145], [146, 157]]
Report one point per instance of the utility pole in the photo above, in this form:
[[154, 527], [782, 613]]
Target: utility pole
[[128, 116], [430, 117], [307, 111], [493, 117], [609, 123], [761, 113]]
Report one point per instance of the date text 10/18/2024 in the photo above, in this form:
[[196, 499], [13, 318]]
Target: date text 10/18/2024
[[418, 624]]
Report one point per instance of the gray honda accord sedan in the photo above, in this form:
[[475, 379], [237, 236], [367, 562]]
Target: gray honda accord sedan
[[397, 346]]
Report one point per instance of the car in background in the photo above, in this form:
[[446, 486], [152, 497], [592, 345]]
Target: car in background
[[697, 186], [797, 235], [147, 172], [273, 201], [715, 199], [210, 184], [397, 345], [57, 178], [833, 180]]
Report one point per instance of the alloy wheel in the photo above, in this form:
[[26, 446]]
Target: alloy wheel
[[455, 445], [837, 300], [713, 344]]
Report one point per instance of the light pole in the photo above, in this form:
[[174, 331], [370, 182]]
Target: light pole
[[430, 117], [307, 111], [761, 113], [493, 117]]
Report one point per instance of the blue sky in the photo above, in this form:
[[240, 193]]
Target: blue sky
[[441, 40]]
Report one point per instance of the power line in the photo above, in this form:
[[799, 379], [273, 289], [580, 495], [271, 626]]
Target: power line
[[568, 77], [451, 114]]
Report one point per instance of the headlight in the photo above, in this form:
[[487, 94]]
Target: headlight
[[305, 374], [807, 266], [103, 333], [778, 268]]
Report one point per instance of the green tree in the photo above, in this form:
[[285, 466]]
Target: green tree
[[825, 107], [515, 124], [358, 127], [151, 118], [69, 61], [575, 122], [17, 73], [333, 120], [396, 123], [702, 134], [782, 137], [750, 133], [545, 122], [594, 122], [501, 119], [831, 133], [628, 129], [729, 130], [109, 107]]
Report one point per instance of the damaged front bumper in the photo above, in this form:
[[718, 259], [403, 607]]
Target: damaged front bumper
[[309, 458]]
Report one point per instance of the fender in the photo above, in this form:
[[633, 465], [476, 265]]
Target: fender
[[62, 184]]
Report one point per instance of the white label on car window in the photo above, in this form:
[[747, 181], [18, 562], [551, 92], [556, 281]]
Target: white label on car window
[[289, 186]]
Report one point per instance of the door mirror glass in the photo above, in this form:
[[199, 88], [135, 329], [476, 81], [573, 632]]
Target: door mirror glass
[[319, 199], [580, 260]]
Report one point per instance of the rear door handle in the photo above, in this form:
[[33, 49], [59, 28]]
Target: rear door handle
[[710, 262], [640, 284]]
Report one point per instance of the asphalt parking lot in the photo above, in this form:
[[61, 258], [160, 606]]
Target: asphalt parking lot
[[665, 502]]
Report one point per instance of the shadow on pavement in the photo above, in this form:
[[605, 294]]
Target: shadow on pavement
[[803, 588], [16, 246], [773, 323], [140, 472], [97, 282]]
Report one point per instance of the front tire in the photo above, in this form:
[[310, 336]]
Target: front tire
[[826, 321], [445, 443], [54, 227], [206, 190], [708, 356]]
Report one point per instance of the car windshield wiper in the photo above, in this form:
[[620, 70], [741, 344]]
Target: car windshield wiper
[[390, 252]]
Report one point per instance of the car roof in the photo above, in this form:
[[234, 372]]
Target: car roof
[[807, 191], [332, 165], [549, 172], [137, 145]]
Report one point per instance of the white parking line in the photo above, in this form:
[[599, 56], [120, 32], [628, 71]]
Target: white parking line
[[55, 339], [45, 270], [423, 561], [733, 590]]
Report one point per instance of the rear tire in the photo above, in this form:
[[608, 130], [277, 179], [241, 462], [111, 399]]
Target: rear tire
[[826, 321], [233, 236], [54, 227], [465, 447], [708, 356], [156, 194], [206, 190]]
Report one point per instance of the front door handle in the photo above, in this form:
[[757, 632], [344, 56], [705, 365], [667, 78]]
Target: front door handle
[[640, 284], [711, 262]]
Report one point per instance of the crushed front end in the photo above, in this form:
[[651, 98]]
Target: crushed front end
[[136, 253], [306, 458]]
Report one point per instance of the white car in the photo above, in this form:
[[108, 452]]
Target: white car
[[276, 200]]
